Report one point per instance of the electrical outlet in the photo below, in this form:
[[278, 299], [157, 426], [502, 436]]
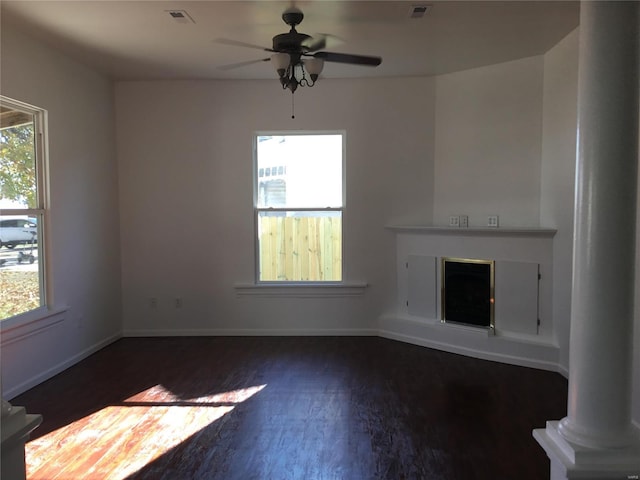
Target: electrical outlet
[[464, 221], [454, 221], [492, 221]]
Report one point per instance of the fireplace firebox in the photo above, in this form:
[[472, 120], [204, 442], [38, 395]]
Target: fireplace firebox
[[468, 292]]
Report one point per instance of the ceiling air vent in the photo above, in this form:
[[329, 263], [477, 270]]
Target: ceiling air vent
[[180, 16], [419, 11]]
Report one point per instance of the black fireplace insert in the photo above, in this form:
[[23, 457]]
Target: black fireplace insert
[[468, 291]]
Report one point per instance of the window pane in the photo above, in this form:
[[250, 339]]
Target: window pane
[[299, 246], [20, 265], [17, 160], [304, 171], [21, 210]]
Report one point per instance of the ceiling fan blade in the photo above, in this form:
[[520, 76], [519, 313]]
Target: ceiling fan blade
[[321, 40], [349, 58], [236, 43], [315, 43], [231, 66]]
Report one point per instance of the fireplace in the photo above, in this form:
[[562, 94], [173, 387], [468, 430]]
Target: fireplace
[[468, 292]]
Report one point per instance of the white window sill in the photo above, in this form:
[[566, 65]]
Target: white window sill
[[300, 290], [29, 323]]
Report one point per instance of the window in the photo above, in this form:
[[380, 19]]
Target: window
[[22, 207], [299, 213]]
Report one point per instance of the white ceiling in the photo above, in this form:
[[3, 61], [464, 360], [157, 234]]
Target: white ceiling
[[140, 40]]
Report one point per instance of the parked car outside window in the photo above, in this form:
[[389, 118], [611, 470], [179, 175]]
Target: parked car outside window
[[16, 231]]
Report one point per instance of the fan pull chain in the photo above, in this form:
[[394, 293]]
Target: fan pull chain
[[293, 113]]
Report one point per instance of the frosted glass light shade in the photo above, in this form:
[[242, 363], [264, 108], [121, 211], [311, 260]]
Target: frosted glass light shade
[[314, 65], [280, 62]]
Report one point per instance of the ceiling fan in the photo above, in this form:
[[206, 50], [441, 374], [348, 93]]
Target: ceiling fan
[[297, 54]]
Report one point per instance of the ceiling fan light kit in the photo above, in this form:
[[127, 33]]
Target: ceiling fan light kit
[[292, 70]]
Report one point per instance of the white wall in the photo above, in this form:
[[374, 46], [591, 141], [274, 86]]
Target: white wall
[[84, 235], [558, 175], [488, 142], [185, 165]]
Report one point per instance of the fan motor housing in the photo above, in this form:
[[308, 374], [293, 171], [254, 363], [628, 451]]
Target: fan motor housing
[[289, 42]]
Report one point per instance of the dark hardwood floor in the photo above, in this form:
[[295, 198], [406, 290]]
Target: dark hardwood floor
[[290, 408]]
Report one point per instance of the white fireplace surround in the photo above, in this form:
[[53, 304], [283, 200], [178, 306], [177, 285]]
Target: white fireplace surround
[[524, 329]]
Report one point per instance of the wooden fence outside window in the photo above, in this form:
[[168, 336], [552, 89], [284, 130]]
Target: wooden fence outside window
[[294, 249]]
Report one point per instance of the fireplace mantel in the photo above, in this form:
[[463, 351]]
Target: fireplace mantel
[[475, 231]]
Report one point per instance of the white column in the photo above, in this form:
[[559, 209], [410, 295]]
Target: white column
[[15, 427], [604, 231], [597, 435]]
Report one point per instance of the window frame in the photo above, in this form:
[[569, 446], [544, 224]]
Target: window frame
[[42, 208], [256, 210]]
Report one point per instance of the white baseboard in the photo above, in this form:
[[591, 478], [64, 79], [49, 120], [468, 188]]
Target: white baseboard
[[56, 369], [532, 362], [483, 355], [252, 332], [564, 371]]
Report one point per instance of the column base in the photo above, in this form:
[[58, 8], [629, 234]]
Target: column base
[[16, 427], [570, 461]]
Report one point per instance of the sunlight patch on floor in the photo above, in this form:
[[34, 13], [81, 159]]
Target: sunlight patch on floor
[[118, 441], [159, 394]]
